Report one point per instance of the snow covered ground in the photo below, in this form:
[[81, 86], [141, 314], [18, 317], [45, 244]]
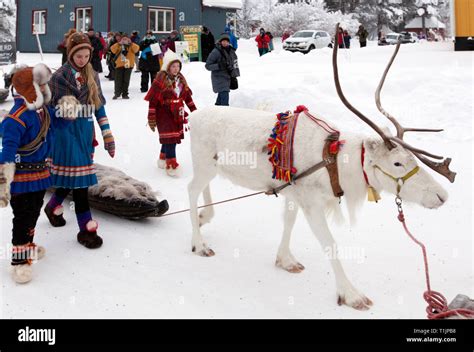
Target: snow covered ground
[[146, 269]]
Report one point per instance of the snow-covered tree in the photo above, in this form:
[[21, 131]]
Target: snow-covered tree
[[286, 17], [444, 15], [298, 16], [7, 20], [244, 18], [345, 6], [378, 14], [426, 9], [251, 13]]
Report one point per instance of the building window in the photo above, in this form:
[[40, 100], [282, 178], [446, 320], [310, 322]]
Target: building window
[[161, 20], [39, 22], [83, 19]]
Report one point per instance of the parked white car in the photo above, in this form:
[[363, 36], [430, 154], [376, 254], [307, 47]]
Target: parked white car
[[307, 40], [414, 37], [409, 37], [392, 38]]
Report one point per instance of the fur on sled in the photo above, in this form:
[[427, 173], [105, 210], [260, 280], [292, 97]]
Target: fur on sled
[[121, 195]]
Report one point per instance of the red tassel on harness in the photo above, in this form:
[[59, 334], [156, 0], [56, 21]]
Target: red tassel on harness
[[300, 108], [335, 147]]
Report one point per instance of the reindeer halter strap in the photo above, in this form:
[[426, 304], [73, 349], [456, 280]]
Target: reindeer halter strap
[[400, 181], [373, 195]]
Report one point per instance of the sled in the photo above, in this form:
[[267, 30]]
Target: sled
[[4, 93], [121, 195]]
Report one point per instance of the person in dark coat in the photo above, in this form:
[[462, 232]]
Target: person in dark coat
[[362, 34], [111, 57], [62, 47], [347, 39], [223, 64], [207, 43], [148, 64], [270, 44], [135, 38], [171, 40], [98, 47]]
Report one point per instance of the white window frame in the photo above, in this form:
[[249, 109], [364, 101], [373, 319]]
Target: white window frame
[[82, 11], [37, 15], [167, 12]]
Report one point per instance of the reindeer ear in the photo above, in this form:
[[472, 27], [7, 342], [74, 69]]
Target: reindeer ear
[[387, 131], [372, 144]]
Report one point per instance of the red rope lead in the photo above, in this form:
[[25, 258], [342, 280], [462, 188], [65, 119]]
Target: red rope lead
[[437, 303]]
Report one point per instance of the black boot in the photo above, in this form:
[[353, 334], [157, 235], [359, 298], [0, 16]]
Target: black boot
[[54, 220], [88, 237], [89, 240]]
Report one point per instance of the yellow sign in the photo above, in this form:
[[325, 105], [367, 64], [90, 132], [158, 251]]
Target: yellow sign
[[193, 42], [190, 29]]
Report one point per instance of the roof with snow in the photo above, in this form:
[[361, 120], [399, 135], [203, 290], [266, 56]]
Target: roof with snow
[[226, 4], [431, 22]]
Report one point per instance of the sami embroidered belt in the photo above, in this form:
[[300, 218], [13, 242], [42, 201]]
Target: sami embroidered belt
[[32, 166]]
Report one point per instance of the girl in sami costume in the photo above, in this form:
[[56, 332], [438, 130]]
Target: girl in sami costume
[[24, 174], [167, 96], [72, 166]]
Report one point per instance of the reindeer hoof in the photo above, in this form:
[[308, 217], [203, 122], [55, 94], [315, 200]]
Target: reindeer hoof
[[293, 267], [204, 252], [357, 301]]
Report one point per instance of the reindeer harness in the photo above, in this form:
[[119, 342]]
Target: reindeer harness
[[280, 149]]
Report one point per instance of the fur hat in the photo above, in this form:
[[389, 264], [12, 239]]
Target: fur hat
[[27, 82], [169, 59], [78, 41]]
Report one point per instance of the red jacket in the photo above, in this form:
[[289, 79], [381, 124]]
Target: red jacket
[[340, 38], [104, 50], [167, 109], [262, 41]]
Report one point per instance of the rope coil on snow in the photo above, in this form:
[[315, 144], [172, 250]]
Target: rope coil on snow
[[437, 304]]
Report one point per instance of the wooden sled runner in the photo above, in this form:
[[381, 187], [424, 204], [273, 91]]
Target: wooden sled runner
[[123, 196]]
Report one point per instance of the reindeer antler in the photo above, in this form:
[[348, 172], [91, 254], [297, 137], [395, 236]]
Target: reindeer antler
[[390, 141], [390, 145], [400, 129], [441, 168]]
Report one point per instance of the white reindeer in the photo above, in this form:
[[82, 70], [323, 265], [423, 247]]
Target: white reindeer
[[216, 129]]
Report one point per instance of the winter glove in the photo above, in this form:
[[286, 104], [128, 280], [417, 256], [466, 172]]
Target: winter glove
[[109, 143], [68, 107], [7, 172], [152, 125], [152, 115]]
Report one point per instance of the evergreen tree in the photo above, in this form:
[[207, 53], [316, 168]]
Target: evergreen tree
[[377, 14]]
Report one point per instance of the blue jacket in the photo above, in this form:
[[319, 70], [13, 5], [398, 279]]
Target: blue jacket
[[20, 127], [233, 38]]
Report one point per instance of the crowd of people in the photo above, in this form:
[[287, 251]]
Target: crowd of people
[[49, 137]]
